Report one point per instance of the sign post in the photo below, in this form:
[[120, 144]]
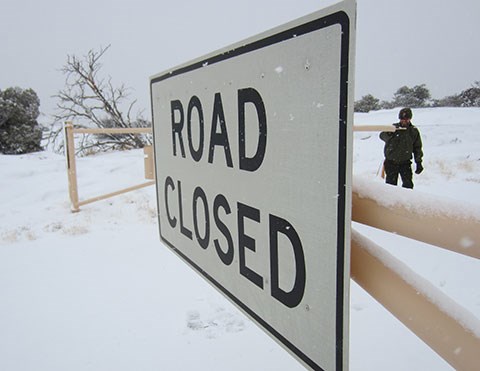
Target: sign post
[[253, 148]]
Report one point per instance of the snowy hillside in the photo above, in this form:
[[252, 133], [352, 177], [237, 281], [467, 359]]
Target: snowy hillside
[[96, 290]]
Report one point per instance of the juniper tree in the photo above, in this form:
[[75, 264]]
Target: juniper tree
[[19, 130], [367, 103]]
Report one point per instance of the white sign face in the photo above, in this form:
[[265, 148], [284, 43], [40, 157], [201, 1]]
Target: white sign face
[[253, 163]]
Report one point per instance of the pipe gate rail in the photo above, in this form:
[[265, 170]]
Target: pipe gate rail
[[72, 167], [388, 280], [396, 287]]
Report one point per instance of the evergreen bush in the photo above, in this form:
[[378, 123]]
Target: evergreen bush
[[19, 130]]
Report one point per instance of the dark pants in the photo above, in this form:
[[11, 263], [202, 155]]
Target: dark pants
[[392, 170]]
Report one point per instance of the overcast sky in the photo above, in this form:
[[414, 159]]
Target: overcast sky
[[399, 42]]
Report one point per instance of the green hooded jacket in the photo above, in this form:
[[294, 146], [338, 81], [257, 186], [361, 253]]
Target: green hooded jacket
[[402, 144]]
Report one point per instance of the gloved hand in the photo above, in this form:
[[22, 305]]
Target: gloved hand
[[419, 168]]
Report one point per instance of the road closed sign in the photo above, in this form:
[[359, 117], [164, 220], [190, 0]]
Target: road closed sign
[[253, 152]]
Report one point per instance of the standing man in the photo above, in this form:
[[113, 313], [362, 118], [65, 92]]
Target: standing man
[[400, 146]]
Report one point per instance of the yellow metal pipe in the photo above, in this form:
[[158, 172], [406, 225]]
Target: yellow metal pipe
[[111, 130], [458, 233], [456, 344], [116, 193], [374, 128], [71, 166]]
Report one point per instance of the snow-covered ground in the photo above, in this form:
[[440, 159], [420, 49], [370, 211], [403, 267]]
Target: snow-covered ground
[[96, 290]]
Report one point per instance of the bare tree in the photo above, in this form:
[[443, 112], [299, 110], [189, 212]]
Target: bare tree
[[91, 100]]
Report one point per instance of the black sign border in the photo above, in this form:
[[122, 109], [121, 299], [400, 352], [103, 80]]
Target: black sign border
[[342, 19]]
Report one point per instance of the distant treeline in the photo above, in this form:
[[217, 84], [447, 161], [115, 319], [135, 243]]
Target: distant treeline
[[419, 96]]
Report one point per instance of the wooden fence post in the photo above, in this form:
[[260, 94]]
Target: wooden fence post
[[71, 166]]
